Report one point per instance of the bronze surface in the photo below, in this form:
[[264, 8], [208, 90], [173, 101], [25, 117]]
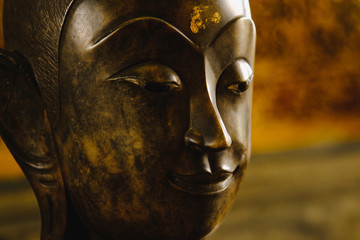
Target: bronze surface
[[131, 119]]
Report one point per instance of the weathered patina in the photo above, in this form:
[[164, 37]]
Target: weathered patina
[[130, 118]]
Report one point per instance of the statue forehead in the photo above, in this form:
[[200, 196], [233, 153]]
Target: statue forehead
[[199, 20]]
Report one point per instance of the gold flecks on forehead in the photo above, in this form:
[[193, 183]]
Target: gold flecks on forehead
[[200, 16]]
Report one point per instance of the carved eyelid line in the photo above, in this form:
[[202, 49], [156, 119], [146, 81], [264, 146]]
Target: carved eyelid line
[[103, 37], [237, 60], [133, 79], [144, 80]]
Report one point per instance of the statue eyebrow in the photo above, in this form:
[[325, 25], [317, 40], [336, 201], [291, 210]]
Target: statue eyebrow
[[225, 28], [109, 32]]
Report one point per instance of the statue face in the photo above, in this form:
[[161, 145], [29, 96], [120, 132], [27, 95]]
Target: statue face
[[155, 103]]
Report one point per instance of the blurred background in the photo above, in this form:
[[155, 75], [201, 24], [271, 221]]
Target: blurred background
[[303, 181]]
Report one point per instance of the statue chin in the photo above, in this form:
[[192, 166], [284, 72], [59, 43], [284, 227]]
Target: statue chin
[[131, 119]]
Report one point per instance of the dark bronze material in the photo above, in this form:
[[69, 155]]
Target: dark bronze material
[[130, 118]]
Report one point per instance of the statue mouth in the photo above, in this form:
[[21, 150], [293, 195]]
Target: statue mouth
[[203, 183]]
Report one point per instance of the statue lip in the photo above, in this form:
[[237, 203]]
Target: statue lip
[[203, 183]]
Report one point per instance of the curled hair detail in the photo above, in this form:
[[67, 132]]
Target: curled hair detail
[[37, 35]]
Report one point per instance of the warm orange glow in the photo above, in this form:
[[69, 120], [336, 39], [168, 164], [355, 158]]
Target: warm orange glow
[[9, 168], [307, 79]]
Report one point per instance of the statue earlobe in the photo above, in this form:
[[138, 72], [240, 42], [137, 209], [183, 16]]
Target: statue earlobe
[[26, 131]]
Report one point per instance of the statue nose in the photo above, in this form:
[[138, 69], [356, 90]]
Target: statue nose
[[207, 131]]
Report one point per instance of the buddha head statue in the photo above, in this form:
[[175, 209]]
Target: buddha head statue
[[131, 119]]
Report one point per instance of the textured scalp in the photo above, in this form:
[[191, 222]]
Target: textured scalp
[[33, 28]]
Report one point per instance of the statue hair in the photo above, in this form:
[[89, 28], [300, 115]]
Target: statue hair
[[36, 36]]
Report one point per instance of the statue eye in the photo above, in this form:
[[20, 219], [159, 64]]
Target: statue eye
[[238, 77], [153, 77], [161, 87], [240, 87]]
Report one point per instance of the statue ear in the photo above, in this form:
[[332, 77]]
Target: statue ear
[[26, 131]]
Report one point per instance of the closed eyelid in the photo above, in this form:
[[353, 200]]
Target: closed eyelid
[[237, 77], [242, 68], [133, 79], [151, 76], [147, 71]]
